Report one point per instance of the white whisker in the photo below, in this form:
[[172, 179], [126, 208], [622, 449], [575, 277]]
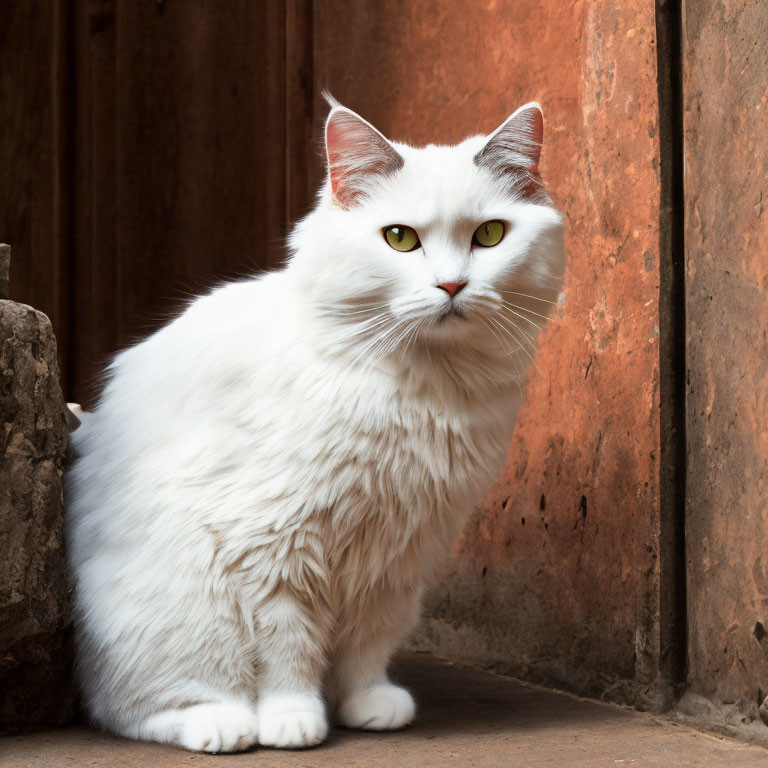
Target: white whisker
[[528, 296], [530, 311], [506, 332], [514, 327], [495, 335], [522, 317]]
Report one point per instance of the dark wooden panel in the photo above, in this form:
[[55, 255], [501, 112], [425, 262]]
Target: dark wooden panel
[[35, 181], [726, 236], [182, 137], [556, 578], [98, 303], [302, 145]]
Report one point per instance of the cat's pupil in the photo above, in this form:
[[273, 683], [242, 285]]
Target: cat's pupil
[[399, 234], [487, 231]]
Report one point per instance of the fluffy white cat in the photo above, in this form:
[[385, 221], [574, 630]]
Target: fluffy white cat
[[268, 482]]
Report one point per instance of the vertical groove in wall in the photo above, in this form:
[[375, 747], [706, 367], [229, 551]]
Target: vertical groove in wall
[[287, 104], [63, 89], [673, 608], [299, 101]]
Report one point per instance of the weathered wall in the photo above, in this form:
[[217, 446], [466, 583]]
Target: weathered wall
[[556, 578], [726, 234]]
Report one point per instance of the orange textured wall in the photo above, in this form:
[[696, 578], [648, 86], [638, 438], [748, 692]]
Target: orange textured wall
[[556, 578], [726, 235]]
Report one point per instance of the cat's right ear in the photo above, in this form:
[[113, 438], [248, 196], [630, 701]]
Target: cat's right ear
[[515, 145], [356, 151]]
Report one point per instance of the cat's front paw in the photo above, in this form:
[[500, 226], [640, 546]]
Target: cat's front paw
[[219, 728], [212, 727], [292, 720], [383, 707]]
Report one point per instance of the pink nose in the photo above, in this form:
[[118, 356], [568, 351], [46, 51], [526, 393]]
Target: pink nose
[[452, 288]]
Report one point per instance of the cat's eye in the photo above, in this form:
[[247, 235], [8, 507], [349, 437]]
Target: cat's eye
[[489, 234], [401, 238]]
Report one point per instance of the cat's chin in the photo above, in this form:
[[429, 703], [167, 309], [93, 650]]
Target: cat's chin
[[450, 328], [452, 314]]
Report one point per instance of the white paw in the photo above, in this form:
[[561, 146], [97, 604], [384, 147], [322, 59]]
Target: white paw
[[205, 727], [291, 720], [382, 707]]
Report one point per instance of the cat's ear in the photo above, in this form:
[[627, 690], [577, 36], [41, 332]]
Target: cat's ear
[[516, 144], [356, 152]]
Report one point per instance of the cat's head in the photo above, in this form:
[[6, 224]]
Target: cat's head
[[441, 245]]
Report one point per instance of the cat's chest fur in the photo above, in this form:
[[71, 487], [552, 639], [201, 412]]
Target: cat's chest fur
[[279, 449], [385, 466]]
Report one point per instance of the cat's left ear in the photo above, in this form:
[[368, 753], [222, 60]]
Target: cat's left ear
[[356, 152], [516, 144]]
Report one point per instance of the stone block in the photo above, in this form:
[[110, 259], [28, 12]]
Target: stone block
[[35, 650]]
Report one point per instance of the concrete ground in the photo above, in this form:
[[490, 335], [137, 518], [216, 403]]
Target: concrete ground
[[466, 718]]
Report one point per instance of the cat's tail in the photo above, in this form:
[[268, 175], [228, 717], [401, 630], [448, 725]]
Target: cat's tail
[[77, 421], [75, 416]]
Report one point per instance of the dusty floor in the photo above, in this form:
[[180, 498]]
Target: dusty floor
[[467, 718]]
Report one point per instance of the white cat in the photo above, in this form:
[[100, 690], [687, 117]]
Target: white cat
[[268, 482]]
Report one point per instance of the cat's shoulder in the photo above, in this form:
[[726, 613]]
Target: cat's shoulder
[[230, 297], [233, 309]]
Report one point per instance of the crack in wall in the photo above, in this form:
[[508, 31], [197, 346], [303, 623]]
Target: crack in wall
[[672, 362]]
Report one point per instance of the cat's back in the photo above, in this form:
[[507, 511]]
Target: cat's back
[[173, 397], [184, 366]]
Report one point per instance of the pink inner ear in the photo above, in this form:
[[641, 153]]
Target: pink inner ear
[[529, 125], [338, 145], [355, 150], [515, 146], [537, 135]]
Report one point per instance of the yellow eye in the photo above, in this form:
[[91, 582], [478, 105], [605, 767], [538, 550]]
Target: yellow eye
[[401, 238], [488, 234]]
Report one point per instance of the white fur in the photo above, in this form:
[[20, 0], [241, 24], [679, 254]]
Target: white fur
[[269, 481]]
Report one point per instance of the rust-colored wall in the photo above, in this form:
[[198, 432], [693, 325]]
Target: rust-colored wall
[[556, 578], [726, 235]]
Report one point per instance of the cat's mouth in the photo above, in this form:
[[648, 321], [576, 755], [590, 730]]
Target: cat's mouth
[[452, 313]]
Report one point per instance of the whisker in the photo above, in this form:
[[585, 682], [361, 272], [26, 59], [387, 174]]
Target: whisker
[[531, 338], [514, 327], [506, 332], [391, 339], [510, 305], [528, 296], [376, 338], [368, 326], [403, 330], [522, 317], [495, 335], [520, 346], [330, 310]]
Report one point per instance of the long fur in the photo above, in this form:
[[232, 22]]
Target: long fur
[[270, 481]]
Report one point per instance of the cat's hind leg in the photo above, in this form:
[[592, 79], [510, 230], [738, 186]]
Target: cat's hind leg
[[365, 697], [379, 707], [210, 727]]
